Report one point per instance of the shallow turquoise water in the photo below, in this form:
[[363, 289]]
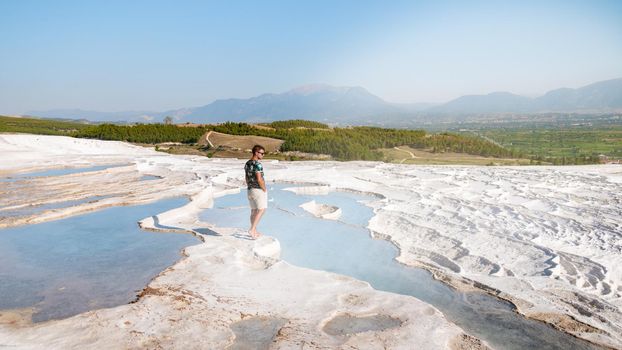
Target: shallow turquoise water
[[33, 209], [86, 262], [17, 183], [345, 247], [59, 172], [149, 178]]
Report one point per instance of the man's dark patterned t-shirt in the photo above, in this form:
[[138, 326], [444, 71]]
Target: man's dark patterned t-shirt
[[251, 168]]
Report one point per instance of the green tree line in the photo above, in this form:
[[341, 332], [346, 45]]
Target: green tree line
[[297, 123], [143, 133], [357, 143], [362, 143]]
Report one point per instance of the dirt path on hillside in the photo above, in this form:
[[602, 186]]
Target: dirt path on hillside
[[412, 155], [207, 139]]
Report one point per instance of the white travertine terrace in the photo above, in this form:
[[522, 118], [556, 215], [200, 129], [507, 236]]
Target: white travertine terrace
[[546, 238]]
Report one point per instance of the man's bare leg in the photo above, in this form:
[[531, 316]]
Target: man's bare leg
[[252, 219], [253, 213], [258, 213]]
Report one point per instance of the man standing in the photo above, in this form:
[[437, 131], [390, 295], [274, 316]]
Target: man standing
[[257, 192]]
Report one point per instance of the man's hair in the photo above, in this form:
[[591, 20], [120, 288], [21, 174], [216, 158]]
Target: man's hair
[[256, 148]]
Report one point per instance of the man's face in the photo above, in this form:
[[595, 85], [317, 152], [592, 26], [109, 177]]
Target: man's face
[[260, 153]]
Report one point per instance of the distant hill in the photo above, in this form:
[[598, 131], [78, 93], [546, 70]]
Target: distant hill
[[492, 103], [312, 102], [604, 96], [113, 117], [355, 105]]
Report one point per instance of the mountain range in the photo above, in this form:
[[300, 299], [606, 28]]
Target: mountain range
[[604, 96], [355, 105]]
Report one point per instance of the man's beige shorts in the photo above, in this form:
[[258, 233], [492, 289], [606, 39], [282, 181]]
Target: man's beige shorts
[[257, 198]]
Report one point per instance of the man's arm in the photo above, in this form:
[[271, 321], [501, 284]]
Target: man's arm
[[260, 181]]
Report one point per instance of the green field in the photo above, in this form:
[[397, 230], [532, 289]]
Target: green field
[[567, 145], [570, 142], [567, 140], [409, 155], [39, 126]]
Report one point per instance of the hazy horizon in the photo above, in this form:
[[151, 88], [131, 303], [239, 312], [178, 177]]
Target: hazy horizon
[[157, 56]]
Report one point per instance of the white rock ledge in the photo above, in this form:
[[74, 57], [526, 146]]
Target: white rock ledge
[[267, 249], [323, 211], [309, 190]]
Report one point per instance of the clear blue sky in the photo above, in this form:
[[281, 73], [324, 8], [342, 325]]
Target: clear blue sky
[[158, 55]]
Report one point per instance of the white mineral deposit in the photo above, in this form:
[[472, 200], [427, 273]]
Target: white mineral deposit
[[546, 238]]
